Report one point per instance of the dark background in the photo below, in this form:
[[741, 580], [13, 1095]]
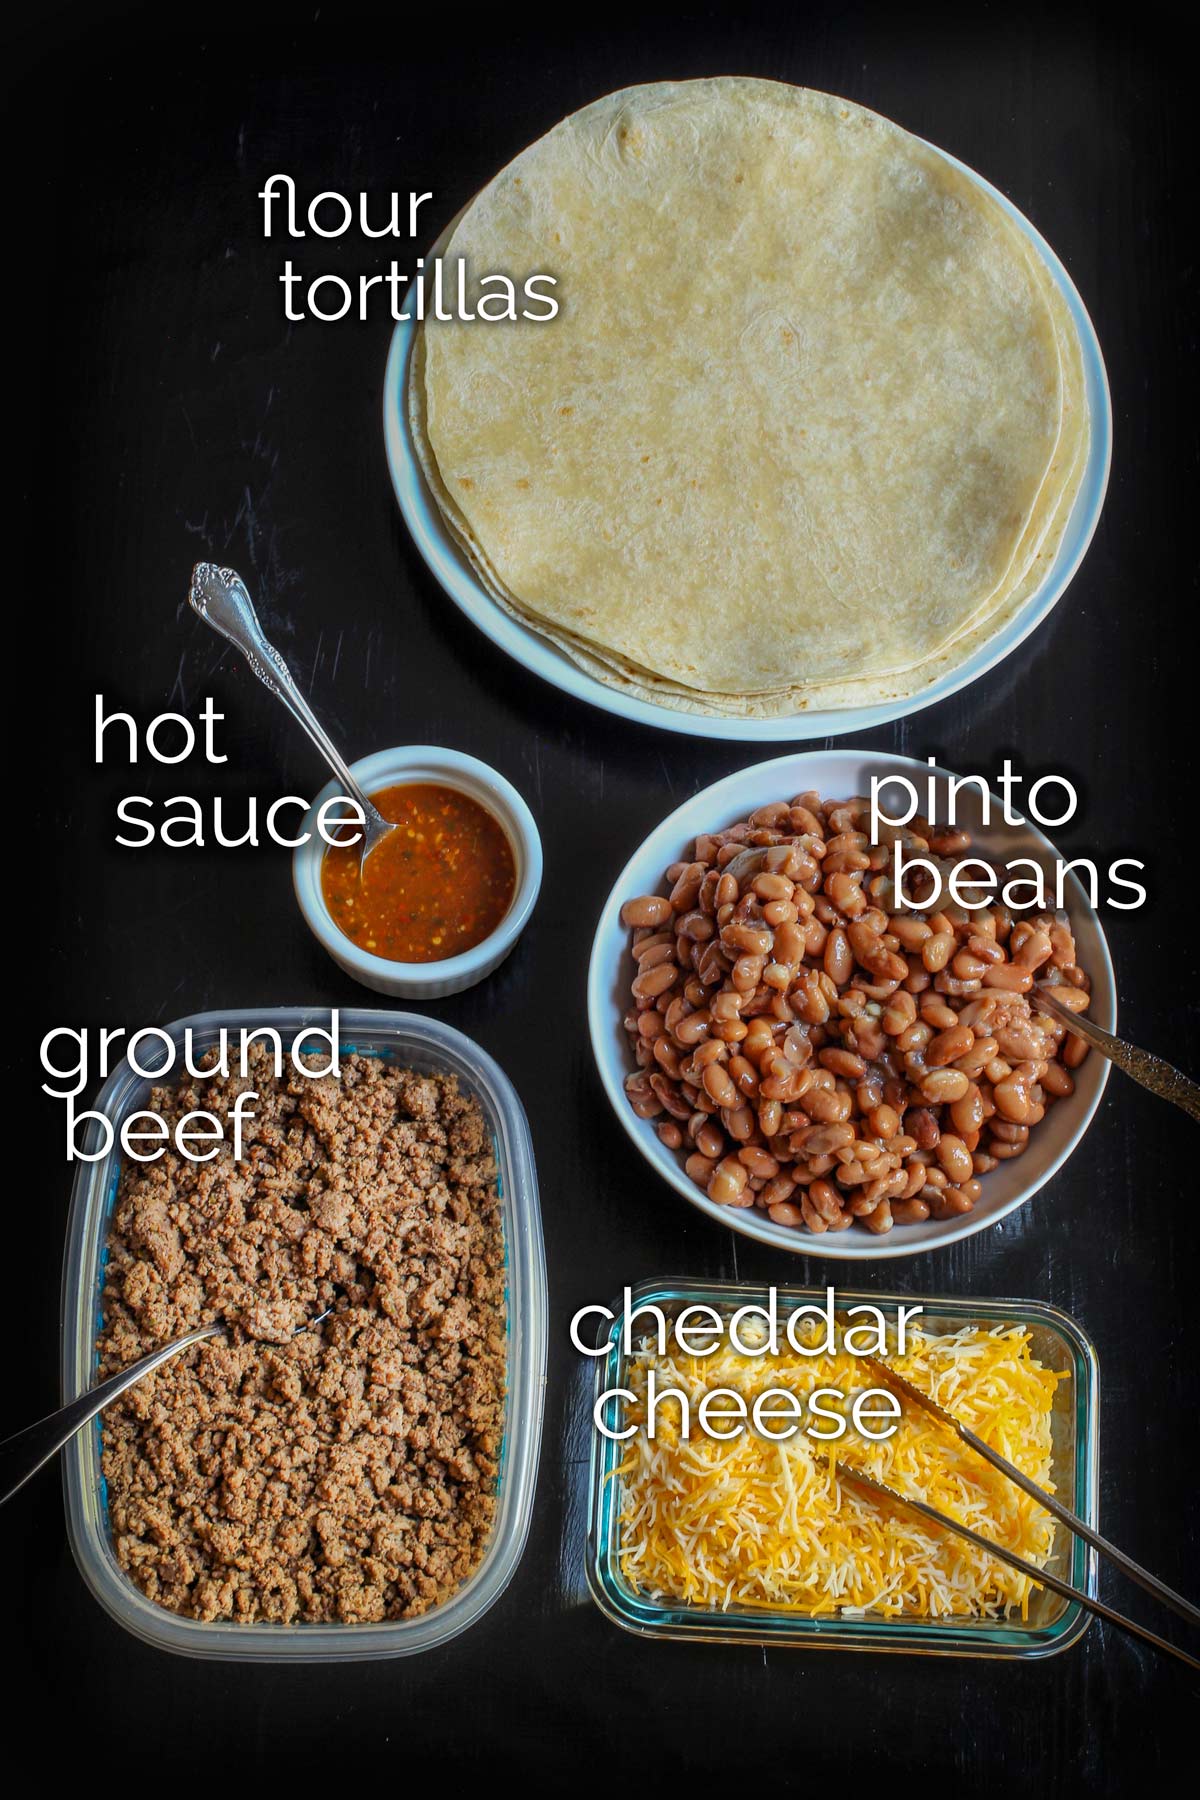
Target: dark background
[[160, 410]]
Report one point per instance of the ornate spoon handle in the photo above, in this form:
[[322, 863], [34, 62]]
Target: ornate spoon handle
[[220, 598], [1150, 1071]]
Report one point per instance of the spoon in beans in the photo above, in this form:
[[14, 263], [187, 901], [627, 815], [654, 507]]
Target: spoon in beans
[[821, 1050], [1148, 1070]]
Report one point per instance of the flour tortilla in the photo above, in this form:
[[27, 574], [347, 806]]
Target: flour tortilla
[[806, 474], [974, 639], [829, 696], [870, 691]]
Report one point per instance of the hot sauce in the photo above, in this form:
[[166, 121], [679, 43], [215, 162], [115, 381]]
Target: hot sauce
[[435, 887]]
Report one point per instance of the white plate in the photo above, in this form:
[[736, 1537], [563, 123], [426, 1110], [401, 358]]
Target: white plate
[[456, 576], [839, 774]]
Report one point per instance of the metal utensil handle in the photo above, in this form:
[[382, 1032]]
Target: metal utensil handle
[[1081, 1528], [901, 1385], [220, 598], [23, 1454], [1042, 1576], [1142, 1066]]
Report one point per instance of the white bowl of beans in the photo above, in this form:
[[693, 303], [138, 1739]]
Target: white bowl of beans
[[811, 1063]]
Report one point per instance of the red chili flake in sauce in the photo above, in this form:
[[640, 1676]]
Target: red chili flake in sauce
[[435, 887]]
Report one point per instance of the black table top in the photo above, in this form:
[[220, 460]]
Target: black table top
[[164, 411]]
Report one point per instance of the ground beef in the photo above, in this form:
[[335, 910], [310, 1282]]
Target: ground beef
[[347, 1473]]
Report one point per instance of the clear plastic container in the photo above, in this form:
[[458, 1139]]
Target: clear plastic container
[[1053, 1623], [413, 1042]]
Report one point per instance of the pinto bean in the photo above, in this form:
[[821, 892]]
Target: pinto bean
[[647, 909], [941, 1087], [920, 1123], [967, 1111], [910, 1212], [949, 1045], [783, 1212], [718, 1086], [728, 1182], [955, 1159], [655, 981], [759, 1162], [848, 1063]]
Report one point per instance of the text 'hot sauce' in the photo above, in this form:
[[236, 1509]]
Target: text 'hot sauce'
[[435, 887]]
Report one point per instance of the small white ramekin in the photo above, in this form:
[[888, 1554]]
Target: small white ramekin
[[448, 768]]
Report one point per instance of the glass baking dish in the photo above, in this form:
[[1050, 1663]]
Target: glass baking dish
[[432, 1048], [1053, 1623]]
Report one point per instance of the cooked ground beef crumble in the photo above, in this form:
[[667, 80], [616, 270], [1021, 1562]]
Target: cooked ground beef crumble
[[348, 1473]]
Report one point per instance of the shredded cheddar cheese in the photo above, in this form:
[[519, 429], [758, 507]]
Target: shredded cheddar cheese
[[750, 1522]]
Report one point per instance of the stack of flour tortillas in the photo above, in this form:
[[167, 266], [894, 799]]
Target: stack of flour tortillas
[[807, 427]]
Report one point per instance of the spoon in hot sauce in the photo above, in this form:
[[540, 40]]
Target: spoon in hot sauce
[[440, 886], [220, 598]]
